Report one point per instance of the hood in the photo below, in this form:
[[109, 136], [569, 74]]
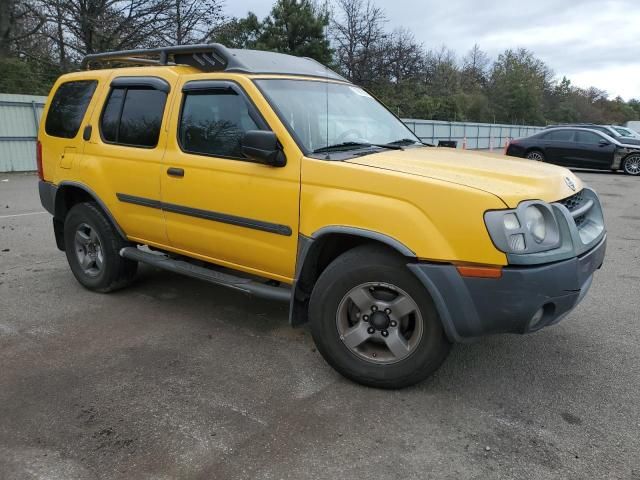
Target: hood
[[511, 179], [628, 141]]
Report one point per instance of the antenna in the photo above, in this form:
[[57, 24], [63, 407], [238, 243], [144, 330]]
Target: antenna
[[326, 70]]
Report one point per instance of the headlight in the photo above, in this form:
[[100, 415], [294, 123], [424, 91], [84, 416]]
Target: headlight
[[530, 228], [534, 220]]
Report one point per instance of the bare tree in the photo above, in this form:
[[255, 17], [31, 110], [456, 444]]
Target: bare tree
[[80, 27], [19, 20], [404, 57], [475, 67], [190, 21], [357, 32]]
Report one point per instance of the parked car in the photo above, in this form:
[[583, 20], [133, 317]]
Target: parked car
[[609, 130], [626, 132], [579, 148], [633, 125], [309, 191]]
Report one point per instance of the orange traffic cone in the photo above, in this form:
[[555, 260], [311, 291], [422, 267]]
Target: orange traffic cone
[[507, 142]]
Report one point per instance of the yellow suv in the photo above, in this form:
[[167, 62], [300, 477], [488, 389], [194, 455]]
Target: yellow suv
[[273, 175]]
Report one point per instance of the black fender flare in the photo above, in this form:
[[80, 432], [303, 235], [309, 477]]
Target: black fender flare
[[307, 248], [58, 198]]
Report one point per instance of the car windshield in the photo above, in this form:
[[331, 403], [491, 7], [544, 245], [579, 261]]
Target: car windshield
[[623, 131], [326, 116]]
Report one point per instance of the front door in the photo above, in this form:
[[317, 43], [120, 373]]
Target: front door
[[593, 150], [218, 205]]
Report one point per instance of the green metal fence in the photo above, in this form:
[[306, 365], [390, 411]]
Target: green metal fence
[[482, 136], [19, 120]]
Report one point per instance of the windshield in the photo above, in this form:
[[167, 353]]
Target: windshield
[[325, 115], [623, 131]]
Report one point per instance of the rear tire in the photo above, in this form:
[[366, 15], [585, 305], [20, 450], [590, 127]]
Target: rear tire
[[92, 246], [631, 164], [400, 343], [535, 155]]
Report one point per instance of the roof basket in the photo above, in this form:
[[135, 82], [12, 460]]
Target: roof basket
[[214, 57], [211, 57]]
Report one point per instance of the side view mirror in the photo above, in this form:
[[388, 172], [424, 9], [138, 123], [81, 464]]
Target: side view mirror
[[603, 142], [263, 147]]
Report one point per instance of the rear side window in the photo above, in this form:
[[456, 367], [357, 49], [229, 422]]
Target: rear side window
[[587, 137], [213, 123], [68, 106], [559, 136], [132, 116]]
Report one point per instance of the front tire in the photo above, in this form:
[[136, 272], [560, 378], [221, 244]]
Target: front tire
[[92, 246], [631, 164], [374, 322]]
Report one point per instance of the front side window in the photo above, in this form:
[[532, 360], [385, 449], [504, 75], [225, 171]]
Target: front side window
[[133, 116], [213, 122], [324, 114], [68, 107]]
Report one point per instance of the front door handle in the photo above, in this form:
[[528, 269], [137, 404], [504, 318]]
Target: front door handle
[[175, 172]]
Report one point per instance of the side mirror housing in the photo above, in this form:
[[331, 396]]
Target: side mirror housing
[[262, 146], [603, 142]]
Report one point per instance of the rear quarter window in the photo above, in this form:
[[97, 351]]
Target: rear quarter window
[[68, 106]]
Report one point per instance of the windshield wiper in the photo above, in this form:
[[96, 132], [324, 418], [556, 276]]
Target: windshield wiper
[[355, 145], [404, 141]]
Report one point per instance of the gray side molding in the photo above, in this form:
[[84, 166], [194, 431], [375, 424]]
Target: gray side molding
[[82, 186]]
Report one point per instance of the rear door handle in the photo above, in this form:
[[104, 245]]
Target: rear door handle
[[175, 172]]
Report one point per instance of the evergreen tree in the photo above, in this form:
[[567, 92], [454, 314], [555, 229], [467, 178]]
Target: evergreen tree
[[297, 27]]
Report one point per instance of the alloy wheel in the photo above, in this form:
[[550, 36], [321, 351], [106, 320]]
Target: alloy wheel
[[536, 156], [379, 323], [632, 165], [88, 250]]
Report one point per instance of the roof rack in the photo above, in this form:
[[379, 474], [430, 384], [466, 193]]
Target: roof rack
[[210, 57], [214, 57]]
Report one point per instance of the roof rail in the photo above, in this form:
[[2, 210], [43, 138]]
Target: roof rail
[[210, 57]]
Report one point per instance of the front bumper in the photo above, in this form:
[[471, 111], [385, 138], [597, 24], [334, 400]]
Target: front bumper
[[523, 300]]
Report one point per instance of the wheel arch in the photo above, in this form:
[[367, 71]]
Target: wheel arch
[[625, 158], [69, 194], [316, 252]]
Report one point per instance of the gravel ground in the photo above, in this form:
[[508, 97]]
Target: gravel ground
[[173, 378]]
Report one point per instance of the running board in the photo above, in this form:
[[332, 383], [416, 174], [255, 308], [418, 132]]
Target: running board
[[245, 285]]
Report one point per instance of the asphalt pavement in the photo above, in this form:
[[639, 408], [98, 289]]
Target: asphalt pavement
[[177, 379]]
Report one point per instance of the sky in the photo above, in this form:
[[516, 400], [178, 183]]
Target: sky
[[592, 42]]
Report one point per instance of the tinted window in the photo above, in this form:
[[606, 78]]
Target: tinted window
[[212, 123], [559, 136], [587, 137], [68, 107], [111, 115], [133, 116]]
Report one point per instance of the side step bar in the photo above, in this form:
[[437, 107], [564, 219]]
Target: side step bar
[[246, 285]]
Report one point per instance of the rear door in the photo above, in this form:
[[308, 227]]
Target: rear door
[[123, 156], [558, 145], [593, 150]]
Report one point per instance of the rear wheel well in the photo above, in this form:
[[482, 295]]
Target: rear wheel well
[[321, 253], [66, 197]]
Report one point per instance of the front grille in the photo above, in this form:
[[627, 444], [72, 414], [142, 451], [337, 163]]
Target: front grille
[[573, 202]]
